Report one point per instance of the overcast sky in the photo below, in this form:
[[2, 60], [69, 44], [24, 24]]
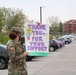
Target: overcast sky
[[63, 9]]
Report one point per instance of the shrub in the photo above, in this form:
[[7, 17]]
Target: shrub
[[50, 36], [3, 39]]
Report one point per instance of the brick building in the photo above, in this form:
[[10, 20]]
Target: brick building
[[69, 27]]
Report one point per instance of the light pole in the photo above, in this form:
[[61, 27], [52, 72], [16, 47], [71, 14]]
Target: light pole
[[41, 13]]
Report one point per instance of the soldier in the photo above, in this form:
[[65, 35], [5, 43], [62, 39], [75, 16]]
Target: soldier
[[17, 61]]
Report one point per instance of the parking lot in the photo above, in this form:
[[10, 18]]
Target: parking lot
[[60, 62]]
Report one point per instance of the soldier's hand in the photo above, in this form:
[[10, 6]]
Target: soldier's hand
[[25, 53]]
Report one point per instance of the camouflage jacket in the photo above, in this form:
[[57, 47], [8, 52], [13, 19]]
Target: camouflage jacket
[[17, 63]]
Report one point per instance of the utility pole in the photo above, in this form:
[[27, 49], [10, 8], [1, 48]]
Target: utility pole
[[41, 13]]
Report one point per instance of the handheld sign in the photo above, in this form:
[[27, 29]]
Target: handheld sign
[[37, 39]]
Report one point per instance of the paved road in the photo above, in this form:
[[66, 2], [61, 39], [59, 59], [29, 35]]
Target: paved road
[[60, 62]]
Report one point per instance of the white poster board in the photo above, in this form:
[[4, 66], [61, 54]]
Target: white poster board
[[37, 39]]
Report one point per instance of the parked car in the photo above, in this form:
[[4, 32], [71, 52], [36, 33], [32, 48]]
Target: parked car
[[59, 42], [53, 45], [66, 39], [71, 36], [4, 57], [62, 42]]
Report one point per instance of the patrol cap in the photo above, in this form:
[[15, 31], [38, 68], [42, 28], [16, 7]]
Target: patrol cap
[[18, 29]]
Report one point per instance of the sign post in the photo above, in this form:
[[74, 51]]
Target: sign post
[[37, 39]]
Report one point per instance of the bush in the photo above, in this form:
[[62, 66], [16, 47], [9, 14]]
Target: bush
[[50, 36], [3, 39]]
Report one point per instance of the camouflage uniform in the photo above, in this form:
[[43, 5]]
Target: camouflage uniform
[[17, 62]]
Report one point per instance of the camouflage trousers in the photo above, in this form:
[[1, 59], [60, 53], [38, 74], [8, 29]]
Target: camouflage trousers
[[17, 73]]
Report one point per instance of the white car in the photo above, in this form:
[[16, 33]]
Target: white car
[[72, 37], [67, 39]]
